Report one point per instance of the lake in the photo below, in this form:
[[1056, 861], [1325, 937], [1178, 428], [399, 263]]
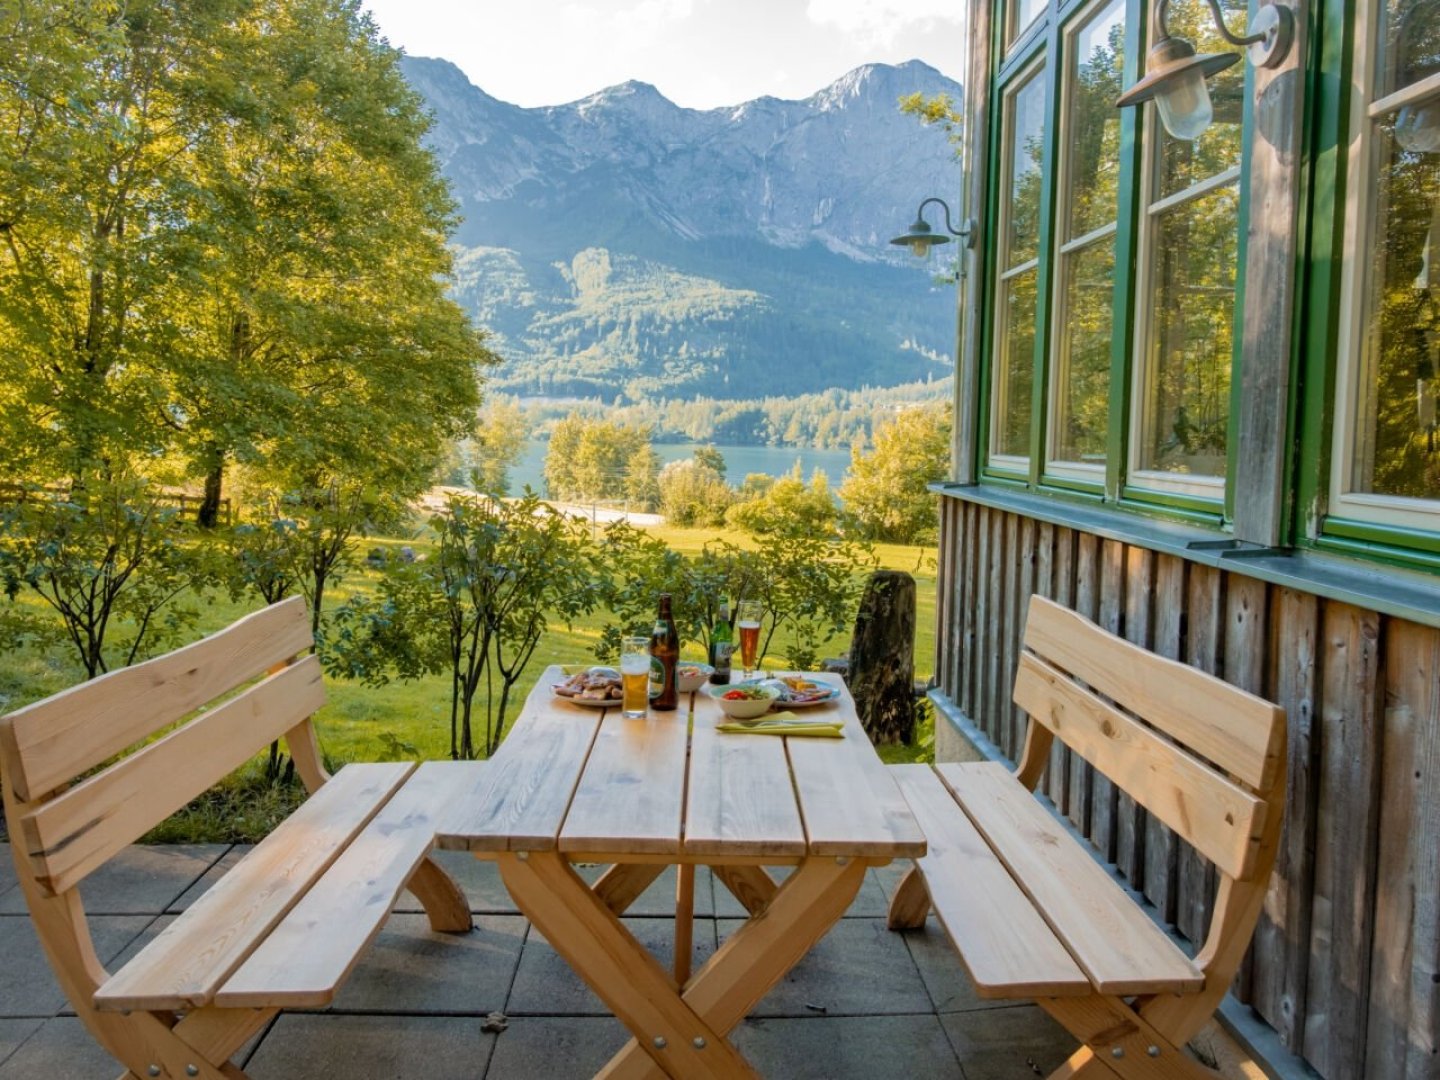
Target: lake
[[739, 461]]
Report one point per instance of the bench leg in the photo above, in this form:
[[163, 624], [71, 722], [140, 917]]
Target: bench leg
[[911, 902], [1118, 1043], [444, 902]]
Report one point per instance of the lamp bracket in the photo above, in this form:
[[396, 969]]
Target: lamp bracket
[[1268, 37], [967, 229]]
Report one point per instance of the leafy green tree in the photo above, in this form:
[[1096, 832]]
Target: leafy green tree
[[598, 459], [692, 493], [886, 493], [102, 557], [496, 445], [788, 505]]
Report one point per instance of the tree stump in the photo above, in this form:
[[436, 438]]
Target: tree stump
[[882, 657]]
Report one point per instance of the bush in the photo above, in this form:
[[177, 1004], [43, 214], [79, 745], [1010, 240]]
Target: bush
[[789, 507], [887, 493], [693, 494]]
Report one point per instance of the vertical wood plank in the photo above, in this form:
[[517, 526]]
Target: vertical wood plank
[[1010, 639], [1063, 592], [1345, 852], [1162, 854], [1104, 796], [983, 632], [1282, 937], [1024, 587], [1403, 1040], [1246, 640], [944, 596], [1195, 880], [970, 559], [1087, 603], [996, 693], [1139, 610], [1044, 585]]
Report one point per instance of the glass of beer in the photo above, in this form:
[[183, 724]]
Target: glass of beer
[[635, 676], [747, 624]]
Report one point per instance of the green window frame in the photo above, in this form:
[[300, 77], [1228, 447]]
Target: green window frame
[[1046, 50]]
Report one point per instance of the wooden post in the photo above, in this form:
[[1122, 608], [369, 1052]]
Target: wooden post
[[882, 657]]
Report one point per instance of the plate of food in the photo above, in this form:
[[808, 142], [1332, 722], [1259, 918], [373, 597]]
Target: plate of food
[[796, 691], [595, 688]]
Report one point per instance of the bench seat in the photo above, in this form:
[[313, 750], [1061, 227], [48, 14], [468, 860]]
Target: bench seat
[[1030, 912], [287, 924]]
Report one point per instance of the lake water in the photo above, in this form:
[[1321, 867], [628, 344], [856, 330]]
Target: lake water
[[739, 461]]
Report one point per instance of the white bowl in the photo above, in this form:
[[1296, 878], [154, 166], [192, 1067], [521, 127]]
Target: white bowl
[[744, 708], [688, 684]]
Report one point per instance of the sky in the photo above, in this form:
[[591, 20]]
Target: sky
[[699, 53]]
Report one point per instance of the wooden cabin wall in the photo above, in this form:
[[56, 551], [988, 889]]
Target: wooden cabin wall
[[1345, 960]]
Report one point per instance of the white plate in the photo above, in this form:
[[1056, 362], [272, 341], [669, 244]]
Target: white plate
[[782, 703], [589, 703]]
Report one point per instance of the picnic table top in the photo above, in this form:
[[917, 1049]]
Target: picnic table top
[[672, 788]]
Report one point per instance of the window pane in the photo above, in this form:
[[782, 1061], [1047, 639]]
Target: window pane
[[1022, 14], [1182, 163], [1189, 337], [1395, 438], [1082, 369], [1015, 369], [1409, 44], [1027, 127], [1092, 132]]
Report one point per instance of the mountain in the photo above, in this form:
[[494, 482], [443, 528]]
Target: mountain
[[623, 245]]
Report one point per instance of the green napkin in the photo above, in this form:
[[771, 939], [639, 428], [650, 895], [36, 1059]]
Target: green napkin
[[785, 723]]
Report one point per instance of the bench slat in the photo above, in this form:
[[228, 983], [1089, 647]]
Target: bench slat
[[519, 802], [190, 959], [308, 956], [1236, 730], [53, 741], [1121, 950], [1005, 945], [72, 835], [849, 801], [741, 801], [1215, 814]]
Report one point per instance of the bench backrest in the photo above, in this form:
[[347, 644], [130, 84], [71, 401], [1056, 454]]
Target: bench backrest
[[1203, 757], [65, 823]]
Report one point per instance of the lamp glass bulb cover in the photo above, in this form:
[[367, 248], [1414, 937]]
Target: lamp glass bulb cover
[[1417, 127], [1184, 105]]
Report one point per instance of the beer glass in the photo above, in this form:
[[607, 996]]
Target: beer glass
[[635, 676], [747, 625]]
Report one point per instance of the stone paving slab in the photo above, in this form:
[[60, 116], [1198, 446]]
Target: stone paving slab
[[849, 1048], [27, 987], [13, 1033], [142, 879], [1019, 1042], [7, 869], [556, 1047], [303, 1046], [940, 968], [61, 1048], [412, 969], [859, 968], [546, 984]]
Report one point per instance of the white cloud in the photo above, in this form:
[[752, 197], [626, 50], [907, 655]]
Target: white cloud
[[879, 22]]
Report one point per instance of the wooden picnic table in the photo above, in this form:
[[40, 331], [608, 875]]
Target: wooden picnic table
[[573, 784]]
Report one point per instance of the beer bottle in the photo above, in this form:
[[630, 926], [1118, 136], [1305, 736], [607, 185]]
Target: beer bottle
[[665, 649], [722, 645]]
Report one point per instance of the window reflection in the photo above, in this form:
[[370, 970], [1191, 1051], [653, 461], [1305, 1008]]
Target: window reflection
[[1022, 14]]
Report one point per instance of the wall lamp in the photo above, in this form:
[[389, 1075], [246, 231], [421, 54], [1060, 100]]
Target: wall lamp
[[920, 238], [1175, 76]]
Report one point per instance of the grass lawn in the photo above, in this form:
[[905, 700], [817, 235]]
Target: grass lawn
[[411, 719]]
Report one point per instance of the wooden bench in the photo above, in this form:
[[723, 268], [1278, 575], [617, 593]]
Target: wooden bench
[[1031, 912], [287, 924]]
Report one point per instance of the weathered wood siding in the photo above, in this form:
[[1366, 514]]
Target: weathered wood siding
[[1346, 961]]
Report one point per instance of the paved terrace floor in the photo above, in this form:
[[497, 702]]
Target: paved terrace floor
[[865, 1003]]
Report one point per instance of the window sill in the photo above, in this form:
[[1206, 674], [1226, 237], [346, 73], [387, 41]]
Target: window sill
[[1392, 591]]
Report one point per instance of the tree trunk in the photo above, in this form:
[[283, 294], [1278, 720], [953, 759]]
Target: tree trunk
[[882, 657], [208, 515]]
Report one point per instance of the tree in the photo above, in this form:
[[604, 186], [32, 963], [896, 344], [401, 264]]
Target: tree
[[886, 493], [788, 506], [692, 493], [496, 445], [601, 460]]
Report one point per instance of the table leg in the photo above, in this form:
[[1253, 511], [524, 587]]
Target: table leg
[[751, 885], [622, 884], [578, 925], [759, 954], [684, 920]]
